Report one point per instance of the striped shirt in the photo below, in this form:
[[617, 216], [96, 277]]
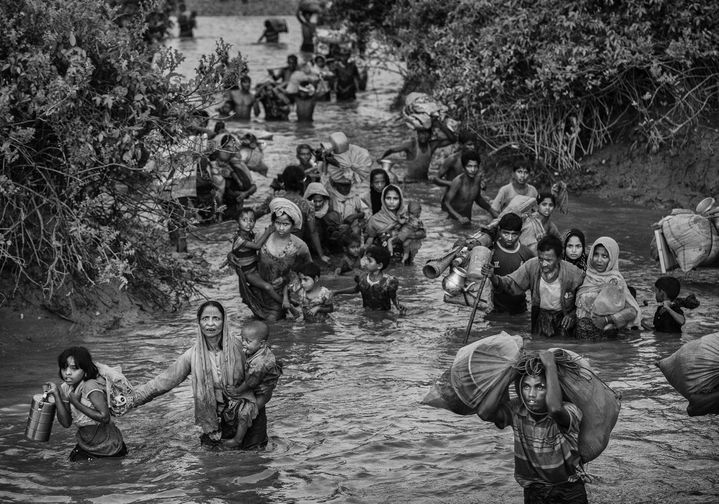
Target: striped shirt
[[544, 452]]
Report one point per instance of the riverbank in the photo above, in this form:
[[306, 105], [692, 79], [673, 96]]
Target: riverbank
[[243, 7]]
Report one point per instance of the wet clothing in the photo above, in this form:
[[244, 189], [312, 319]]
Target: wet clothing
[[564, 493], [664, 322], [306, 208], [94, 439], [324, 298], [246, 258], [507, 192], [378, 295], [349, 264], [506, 262], [263, 367], [347, 75]]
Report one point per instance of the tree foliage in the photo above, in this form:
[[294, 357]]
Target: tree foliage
[[560, 79], [84, 104]]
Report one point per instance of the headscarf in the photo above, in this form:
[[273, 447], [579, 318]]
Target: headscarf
[[374, 196], [233, 371], [284, 206], [316, 188], [581, 261], [385, 219], [594, 280]]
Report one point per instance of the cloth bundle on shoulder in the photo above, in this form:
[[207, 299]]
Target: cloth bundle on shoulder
[[692, 238], [479, 376], [118, 388], [694, 368], [420, 109], [519, 205], [598, 402]]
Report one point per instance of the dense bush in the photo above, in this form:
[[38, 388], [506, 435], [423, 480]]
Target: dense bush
[[84, 104], [560, 79]]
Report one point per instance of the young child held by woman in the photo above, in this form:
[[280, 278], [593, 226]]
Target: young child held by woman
[[410, 245], [378, 289], [81, 399], [314, 300]]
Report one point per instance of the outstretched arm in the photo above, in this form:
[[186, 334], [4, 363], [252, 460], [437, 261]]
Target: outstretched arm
[[403, 147], [449, 137], [554, 390], [483, 203]]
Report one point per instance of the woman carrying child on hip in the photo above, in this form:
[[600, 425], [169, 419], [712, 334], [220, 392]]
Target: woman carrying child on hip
[[82, 399]]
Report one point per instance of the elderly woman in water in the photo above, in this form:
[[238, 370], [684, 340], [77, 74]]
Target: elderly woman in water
[[215, 362]]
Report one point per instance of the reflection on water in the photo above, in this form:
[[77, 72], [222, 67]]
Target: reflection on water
[[345, 422]]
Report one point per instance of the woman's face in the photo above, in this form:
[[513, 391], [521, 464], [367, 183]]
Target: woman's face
[[391, 200], [318, 201], [211, 321], [546, 207], [283, 225], [343, 188], [574, 248], [600, 259], [379, 182]]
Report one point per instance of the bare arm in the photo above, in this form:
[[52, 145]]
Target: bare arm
[[405, 147], [678, 317], [483, 203], [451, 193], [439, 179], [61, 406], [255, 245], [449, 139], [554, 390]]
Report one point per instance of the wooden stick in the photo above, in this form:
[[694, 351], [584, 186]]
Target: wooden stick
[[474, 308]]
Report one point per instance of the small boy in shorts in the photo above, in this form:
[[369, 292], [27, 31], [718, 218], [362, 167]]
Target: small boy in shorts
[[547, 463], [378, 289], [244, 252], [261, 374]]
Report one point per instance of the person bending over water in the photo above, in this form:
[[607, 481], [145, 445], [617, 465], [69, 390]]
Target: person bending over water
[[466, 190]]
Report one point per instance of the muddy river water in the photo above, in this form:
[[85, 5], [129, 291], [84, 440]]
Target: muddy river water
[[345, 422]]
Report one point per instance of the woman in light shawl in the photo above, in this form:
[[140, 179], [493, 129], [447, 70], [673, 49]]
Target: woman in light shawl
[[328, 221], [276, 260], [215, 361], [603, 271], [383, 227]]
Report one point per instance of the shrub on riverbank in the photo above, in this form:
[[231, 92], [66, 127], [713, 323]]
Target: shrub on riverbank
[[559, 80], [84, 104]]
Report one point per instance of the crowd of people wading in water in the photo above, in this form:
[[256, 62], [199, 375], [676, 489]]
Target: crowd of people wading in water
[[337, 211]]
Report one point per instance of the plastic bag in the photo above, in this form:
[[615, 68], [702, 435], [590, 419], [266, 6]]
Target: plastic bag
[[442, 395], [119, 389], [692, 238], [482, 371], [610, 299], [598, 402], [694, 368]]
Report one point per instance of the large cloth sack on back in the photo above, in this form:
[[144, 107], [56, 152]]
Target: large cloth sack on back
[[482, 371], [354, 165], [694, 368], [692, 238], [420, 109], [442, 395], [599, 403]]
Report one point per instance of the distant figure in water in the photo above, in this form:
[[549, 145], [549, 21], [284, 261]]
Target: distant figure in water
[[270, 35], [187, 21], [308, 21], [240, 101], [347, 77]]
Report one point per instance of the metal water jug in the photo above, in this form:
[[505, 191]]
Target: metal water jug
[[453, 284], [39, 421]]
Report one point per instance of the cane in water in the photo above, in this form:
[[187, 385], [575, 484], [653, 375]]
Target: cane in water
[[474, 308], [479, 257]]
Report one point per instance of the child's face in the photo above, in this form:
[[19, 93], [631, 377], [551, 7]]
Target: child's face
[[283, 225], [520, 176], [304, 156], [307, 282], [574, 248], [416, 212], [508, 238], [471, 168], [379, 182], [251, 343], [370, 265], [354, 250], [534, 393], [318, 201], [659, 295], [246, 222], [71, 373], [600, 259], [546, 207]]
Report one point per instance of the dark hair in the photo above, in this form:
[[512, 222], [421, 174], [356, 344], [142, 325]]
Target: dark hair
[[470, 155], [546, 195], [350, 239], [309, 269], [245, 78], [510, 222], [211, 302], [669, 285], [320, 57], [392, 187], [293, 178], [303, 146], [550, 242], [219, 126], [274, 217], [292, 57], [465, 136], [379, 171], [245, 211], [379, 254], [575, 232], [83, 360], [522, 163]]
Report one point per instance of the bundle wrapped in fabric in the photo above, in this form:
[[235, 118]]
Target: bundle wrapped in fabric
[[694, 368], [279, 25], [598, 402], [442, 395], [692, 238], [519, 205], [337, 37], [355, 162], [311, 6], [119, 389], [420, 109]]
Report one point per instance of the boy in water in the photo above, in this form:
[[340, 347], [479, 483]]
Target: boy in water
[[452, 166], [353, 255], [547, 463], [507, 256], [262, 371], [244, 252], [307, 163], [378, 289], [466, 190], [669, 317], [518, 186], [241, 101]]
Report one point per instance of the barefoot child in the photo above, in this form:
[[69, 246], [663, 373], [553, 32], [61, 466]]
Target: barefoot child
[[244, 252], [307, 293], [547, 463], [410, 245], [261, 374], [353, 255], [82, 400], [378, 289]]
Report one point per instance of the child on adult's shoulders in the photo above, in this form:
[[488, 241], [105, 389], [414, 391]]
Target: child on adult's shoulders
[[378, 289], [314, 300]]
